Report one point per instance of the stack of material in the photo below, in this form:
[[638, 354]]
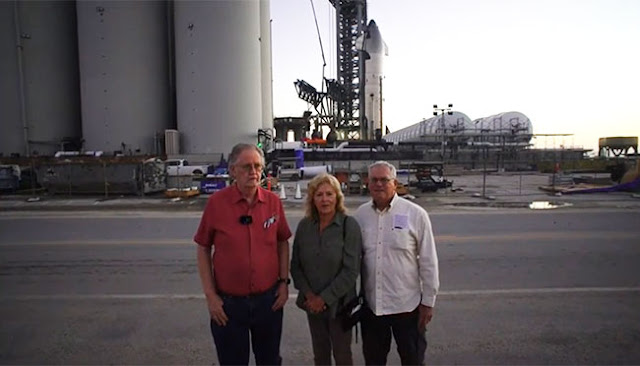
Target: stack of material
[[561, 179], [631, 174], [630, 183], [182, 193], [402, 190]]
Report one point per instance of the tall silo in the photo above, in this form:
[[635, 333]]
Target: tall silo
[[11, 124], [48, 67], [124, 72], [218, 74], [266, 65]]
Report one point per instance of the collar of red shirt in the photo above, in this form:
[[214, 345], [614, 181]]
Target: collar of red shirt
[[237, 195]]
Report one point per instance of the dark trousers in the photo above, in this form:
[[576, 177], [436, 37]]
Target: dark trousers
[[249, 316], [376, 338], [327, 335]]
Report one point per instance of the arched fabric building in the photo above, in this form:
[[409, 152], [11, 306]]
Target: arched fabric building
[[455, 124], [507, 128]]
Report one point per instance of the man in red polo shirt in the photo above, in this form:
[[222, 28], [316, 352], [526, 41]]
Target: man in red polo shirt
[[245, 281]]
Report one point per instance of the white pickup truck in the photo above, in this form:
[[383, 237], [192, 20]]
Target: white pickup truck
[[182, 167]]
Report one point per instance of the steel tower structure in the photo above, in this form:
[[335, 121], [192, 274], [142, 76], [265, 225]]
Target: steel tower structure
[[340, 106], [347, 91]]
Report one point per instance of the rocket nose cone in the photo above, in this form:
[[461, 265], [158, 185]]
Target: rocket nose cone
[[373, 41], [372, 28]]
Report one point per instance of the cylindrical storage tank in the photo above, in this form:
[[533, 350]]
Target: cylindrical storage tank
[[218, 74], [11, 126], [265, 63], [124, 74], [49, 71], [172, 142]]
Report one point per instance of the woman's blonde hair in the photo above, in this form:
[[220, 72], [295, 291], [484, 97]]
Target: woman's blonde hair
[[310, 209]]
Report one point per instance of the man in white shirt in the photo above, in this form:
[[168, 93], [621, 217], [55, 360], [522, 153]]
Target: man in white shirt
[[399, 271]]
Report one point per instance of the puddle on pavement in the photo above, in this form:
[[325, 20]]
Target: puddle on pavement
[[546, 205], [535, 205]]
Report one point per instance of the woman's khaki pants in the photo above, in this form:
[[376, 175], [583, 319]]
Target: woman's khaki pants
[[326, 336]]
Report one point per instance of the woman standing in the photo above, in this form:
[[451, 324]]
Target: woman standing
[[324, 266]]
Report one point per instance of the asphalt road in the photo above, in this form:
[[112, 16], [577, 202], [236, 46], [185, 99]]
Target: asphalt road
[[517, 287]]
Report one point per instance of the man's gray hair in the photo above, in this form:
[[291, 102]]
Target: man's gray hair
[[242, 147], [378, 163]]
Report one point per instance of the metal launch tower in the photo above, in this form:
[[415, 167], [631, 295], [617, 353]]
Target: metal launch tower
[[340, 107], [351, 20]]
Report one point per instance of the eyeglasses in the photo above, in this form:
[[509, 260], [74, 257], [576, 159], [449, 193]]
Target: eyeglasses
[[246, 220], [384, 181], [251, 167]]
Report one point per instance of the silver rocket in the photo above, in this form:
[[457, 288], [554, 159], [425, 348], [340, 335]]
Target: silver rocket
[[375, 50]]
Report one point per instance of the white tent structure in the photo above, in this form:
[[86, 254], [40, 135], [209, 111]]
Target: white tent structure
[[504, 128], [508, 128], [455, 124]]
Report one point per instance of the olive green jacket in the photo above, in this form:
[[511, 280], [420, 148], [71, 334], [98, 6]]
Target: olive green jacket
[[327, 263]]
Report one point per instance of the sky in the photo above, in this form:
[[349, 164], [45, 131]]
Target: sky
[[571, 66]]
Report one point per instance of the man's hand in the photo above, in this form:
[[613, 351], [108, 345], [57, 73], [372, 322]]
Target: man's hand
[[425, 313], [315, 303], [214, 302], [282, 295]]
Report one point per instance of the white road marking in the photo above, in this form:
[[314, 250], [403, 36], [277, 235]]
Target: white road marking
[[538, 291], [180, 241], [290, 212], [75, 215], [515, 237], [508, 238], [453, 293]]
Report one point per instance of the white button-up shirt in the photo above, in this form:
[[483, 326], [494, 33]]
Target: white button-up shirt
[[400, 263]]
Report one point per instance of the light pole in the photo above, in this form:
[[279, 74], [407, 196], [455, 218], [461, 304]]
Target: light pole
[[484, 173], [442, 111]]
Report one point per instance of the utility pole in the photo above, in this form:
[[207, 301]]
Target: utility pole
[[21, 83], [484, 172]]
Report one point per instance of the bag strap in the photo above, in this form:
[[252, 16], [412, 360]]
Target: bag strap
[[359, 296], [344, 228]]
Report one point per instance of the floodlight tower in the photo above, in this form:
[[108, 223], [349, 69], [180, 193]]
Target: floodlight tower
[[448, 110]]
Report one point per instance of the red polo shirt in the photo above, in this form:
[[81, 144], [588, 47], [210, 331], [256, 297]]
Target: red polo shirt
[[245, 257]]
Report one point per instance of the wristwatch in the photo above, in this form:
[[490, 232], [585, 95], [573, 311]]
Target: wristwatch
[[284, 280]]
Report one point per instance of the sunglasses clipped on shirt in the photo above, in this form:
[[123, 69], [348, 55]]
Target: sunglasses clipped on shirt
[[246, 219]]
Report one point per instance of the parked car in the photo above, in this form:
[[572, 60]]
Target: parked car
[[182, 167]]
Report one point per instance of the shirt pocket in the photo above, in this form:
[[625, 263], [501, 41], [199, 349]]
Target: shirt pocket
[[269, 230], [399, 239]]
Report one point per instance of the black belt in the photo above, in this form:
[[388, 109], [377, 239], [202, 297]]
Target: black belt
[[254, 294]]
